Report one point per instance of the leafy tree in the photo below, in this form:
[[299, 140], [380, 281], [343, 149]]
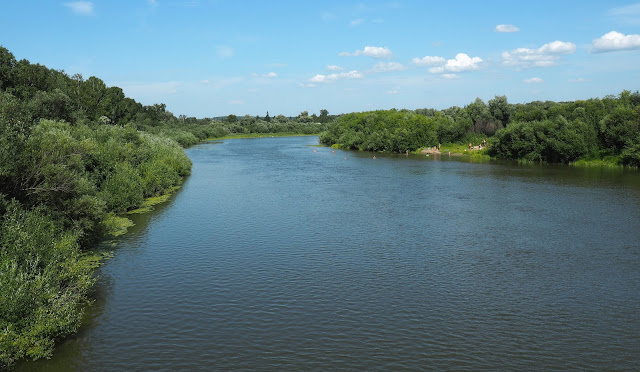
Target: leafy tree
[[324, 116], [7, 69], [500, 110]]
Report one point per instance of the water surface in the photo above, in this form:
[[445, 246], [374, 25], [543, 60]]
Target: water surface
[[277, 255]]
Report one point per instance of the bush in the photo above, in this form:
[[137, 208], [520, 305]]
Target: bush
[[43, 280]]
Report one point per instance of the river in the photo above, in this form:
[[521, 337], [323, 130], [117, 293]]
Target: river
[[279, 255]]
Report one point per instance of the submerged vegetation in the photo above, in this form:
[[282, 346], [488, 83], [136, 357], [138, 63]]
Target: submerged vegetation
[[593, 131]]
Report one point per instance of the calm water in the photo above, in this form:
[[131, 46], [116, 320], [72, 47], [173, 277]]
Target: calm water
[[280, 256]]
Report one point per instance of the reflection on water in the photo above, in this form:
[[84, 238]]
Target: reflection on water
[[276, 257]]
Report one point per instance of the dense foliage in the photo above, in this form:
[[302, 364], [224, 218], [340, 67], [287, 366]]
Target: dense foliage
[[569, 131], [537, 131], [381, 131]]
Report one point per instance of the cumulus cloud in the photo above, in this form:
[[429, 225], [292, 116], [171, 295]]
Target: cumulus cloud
[[614, 41], [428, 61], [356, 22], [506, 28], [461, 63], [388, 66], [533, 80], [338, 76], [270, 75], [545, 56], [84, 8], [334, 68], [370, 51]]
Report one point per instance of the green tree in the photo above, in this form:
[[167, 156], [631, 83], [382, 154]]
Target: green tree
[[500, 110], [324, 116]]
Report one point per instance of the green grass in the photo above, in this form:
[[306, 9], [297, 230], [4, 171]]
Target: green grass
[[607, 161], [462, 149], [148, 203], [117, 225]]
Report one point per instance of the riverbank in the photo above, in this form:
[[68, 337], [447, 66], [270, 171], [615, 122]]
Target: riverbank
[[455, 149], [479, 152], [118, 224]]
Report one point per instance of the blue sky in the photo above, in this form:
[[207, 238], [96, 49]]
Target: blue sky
[[212, 58]]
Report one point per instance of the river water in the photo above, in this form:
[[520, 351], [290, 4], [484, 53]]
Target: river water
[[277, 255]]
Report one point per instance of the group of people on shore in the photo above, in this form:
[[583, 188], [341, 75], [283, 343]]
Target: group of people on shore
[[482, 145]]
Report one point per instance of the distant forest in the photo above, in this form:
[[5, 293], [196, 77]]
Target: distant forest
[[606, 129], [75, 155]]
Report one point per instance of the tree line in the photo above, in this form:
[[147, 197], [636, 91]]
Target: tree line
[[553, 132]]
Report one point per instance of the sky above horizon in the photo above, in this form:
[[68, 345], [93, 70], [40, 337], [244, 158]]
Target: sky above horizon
[[209, 58]]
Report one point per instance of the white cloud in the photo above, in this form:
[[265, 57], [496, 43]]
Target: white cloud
[[533, 80], [558, 47], [614, 41], [224, 51], [545, 56], [392, 91], [428, 61], [334, 68], [338, 76], [81, 7], [205, 81], [388, 66], [370, 51], [461, 63], [270, 75], [506, 28], [356, 22], [450, 76]]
